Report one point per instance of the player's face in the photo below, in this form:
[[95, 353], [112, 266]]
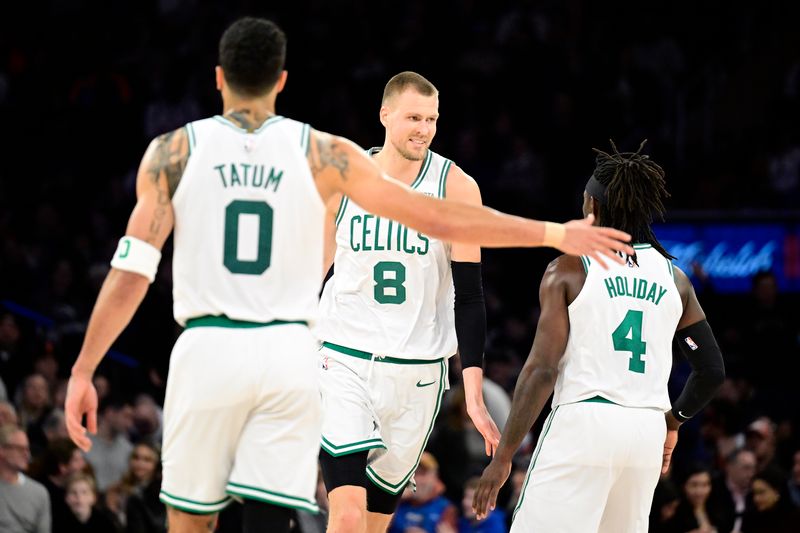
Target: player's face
[[411, 123]]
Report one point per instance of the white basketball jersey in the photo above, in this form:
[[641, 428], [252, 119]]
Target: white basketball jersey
[[621, 327], [248, 224], [392, 289]]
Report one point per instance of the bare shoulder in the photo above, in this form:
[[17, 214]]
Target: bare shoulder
[[461, 186], [684, 284], [565, 275], [166, 156]]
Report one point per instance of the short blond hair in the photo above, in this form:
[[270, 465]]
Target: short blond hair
[[400, 82]]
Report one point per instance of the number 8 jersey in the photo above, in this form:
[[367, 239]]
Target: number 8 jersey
[[248, 224], [621, 327], [392, 289]]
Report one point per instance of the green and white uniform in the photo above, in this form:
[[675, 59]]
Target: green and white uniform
[[388, 326], [601, 447], [242, 409]]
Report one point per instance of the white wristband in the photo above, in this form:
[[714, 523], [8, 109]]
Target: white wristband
[[135, 255], [554, 234]]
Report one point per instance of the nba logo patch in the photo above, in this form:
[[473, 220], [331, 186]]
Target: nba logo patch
[[324, 363], [691, 343]]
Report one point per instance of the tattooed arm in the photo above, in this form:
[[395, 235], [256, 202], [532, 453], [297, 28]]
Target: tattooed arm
[[122, 292], [339, 165]]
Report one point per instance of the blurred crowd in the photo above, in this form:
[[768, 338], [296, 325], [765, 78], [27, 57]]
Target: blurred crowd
[[527, 89]]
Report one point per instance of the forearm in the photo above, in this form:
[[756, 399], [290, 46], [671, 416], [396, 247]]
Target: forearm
[[698, 344], [473, 386], [534, 386], [120, 296]]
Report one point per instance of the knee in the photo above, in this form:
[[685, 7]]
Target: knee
[[348, 520]]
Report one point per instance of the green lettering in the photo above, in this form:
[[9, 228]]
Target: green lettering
[[662, 291], [352, 232], [612, 292], [274, 179], [235, 176], [423, 238], [620, 285], [258, 177], [627, 292], [364, 232], [221, 175], [245, 168], [642, 289], [400, 229], [652, 294], [389, 236], [405, 242], [378, 247]]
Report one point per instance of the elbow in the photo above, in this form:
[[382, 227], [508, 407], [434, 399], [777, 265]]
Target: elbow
[[541, 375]]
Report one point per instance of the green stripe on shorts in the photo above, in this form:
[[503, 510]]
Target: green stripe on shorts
[[221, 321], [548, 423], [269, 496], [193, 506], [353, 447]]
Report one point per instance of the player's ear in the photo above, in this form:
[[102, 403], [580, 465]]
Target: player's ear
[[281, 81], [595, 210], [219, 75], [384, 115]]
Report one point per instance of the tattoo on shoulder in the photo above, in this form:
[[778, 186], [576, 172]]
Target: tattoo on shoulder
[[329, 153], [170, 156]]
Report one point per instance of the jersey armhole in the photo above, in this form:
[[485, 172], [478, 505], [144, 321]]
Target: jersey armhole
[[342, 208], [443, 178]]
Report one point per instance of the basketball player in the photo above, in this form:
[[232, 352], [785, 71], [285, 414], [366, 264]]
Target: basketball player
[[604, 344], [398, 305], [246, 193]]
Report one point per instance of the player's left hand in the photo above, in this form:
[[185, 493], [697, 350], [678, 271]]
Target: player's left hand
[[486, 427], [489, 485], [81, 400]]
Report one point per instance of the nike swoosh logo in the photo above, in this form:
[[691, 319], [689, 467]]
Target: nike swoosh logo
[[683, 415], [420, 384]]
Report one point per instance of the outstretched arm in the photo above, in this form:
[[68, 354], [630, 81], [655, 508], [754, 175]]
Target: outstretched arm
[[122, 291], [339, 165], [535, 384]]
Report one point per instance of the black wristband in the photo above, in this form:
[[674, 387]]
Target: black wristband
[[698, 345], [470, 313]]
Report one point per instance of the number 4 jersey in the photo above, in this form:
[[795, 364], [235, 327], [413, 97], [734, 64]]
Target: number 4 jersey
[[392, 289], [248, 224], [621, 327]]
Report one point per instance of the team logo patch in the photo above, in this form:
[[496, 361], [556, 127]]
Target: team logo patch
[[691, 343]]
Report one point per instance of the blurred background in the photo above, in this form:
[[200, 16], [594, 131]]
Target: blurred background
[[527, 89]]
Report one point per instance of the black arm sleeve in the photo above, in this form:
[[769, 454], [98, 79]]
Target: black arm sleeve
[[470, 313], [698, 345]]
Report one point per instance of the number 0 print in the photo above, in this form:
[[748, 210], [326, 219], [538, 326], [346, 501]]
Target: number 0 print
[[264, 246], [631, 324], [389, 278]]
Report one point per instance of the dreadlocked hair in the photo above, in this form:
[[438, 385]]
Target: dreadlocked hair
[[635, 190]]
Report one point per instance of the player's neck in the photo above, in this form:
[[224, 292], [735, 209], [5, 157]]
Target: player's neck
[[249, 113], [397, 166]]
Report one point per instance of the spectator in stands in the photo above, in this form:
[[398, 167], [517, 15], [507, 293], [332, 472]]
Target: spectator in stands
[[81, 496], [61, 459], [694, 512], [33, 407], [773, 512], [147, 420], [760, 439], [425, 510], [495, 521], [111, 448], [731, 492], [144, 461], [143, 510], [666, 499], [24, 503], [8, 414]]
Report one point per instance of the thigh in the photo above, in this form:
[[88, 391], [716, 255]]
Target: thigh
[[209, 395], [407, 400], [568, 479], [349, 421], [276, 456]]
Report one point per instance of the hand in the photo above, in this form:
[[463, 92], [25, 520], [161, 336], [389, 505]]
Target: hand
[[669, 445], [486, 427], [582, 238], [81, 399], [489, 485]]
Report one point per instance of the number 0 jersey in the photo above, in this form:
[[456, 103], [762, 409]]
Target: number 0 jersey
[[392, 289], [248, 224], [621, 327]]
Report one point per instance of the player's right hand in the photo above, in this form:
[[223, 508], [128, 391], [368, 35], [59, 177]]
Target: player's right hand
[[81, 400], [669, 446], [596, 242], [489, 485], [483, 422]]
